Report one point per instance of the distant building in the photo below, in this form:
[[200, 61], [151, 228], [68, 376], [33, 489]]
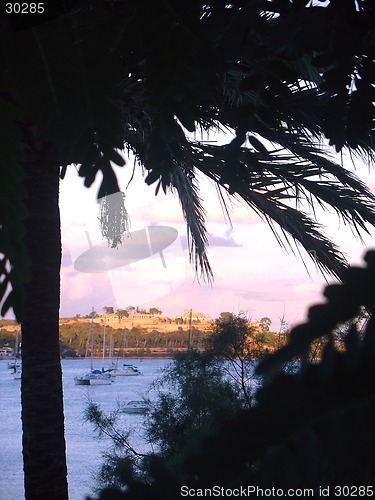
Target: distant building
[[149, 321], [195, 315], [140, 316]]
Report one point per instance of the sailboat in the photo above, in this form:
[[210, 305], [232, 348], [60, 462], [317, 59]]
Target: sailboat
[[126, 370], [93, 377], [111, 369]]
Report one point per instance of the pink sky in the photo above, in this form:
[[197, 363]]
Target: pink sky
[[252, 273]]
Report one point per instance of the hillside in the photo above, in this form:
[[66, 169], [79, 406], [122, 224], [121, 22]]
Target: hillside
[[146, 335]]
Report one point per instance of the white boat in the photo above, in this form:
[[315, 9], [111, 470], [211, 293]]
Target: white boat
[[135, 407], [93, 377], [17, 375], [127, 370], [6, 353]]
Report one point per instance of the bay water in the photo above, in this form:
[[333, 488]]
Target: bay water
[[83, 447]]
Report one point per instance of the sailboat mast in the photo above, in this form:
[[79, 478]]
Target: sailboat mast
[[111, 348], [16, 346], [190, 329], [92, 336], [104, 334], [123, 353]]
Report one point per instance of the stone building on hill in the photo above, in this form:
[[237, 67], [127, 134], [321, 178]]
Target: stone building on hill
[[194, 315], [158, 322]]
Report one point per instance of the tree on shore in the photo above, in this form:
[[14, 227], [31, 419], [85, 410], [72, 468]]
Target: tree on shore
[[155, 310], [234, 340], [122, 313], [108, 309], [265, 324], [82, 80]]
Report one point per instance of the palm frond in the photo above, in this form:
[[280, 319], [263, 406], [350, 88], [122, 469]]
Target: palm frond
[[266, 186], [194, 215]]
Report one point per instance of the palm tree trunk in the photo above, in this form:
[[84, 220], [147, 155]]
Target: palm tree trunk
[[42, 397]]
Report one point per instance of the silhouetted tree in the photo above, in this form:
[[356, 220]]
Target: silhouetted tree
[[190, 399], [313, 429], [265, 324], [234, 340], [155, 310], [79, 81]]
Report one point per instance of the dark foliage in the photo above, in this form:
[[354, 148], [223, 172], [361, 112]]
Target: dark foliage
[[309, 430], [92, 77], [191, 398], [238, 343]]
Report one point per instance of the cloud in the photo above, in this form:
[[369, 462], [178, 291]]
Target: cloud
[[147, 279], [81, 291], [219, 241], [370, 181], [214, 241]]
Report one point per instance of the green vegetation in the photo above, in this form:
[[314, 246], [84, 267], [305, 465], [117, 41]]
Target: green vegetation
[[7, 338]]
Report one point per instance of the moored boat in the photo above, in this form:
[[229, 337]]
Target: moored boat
[[95, 377], [135, 407], [6, 352], [127, 370]]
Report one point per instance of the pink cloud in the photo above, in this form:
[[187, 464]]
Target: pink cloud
[[80, 291]]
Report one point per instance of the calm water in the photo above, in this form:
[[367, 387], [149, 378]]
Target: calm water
[[83, 449]]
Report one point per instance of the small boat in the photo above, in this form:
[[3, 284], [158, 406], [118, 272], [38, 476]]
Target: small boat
[[95, 377], [17, 374], [135, 407], [127, 370], [6, 353]]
